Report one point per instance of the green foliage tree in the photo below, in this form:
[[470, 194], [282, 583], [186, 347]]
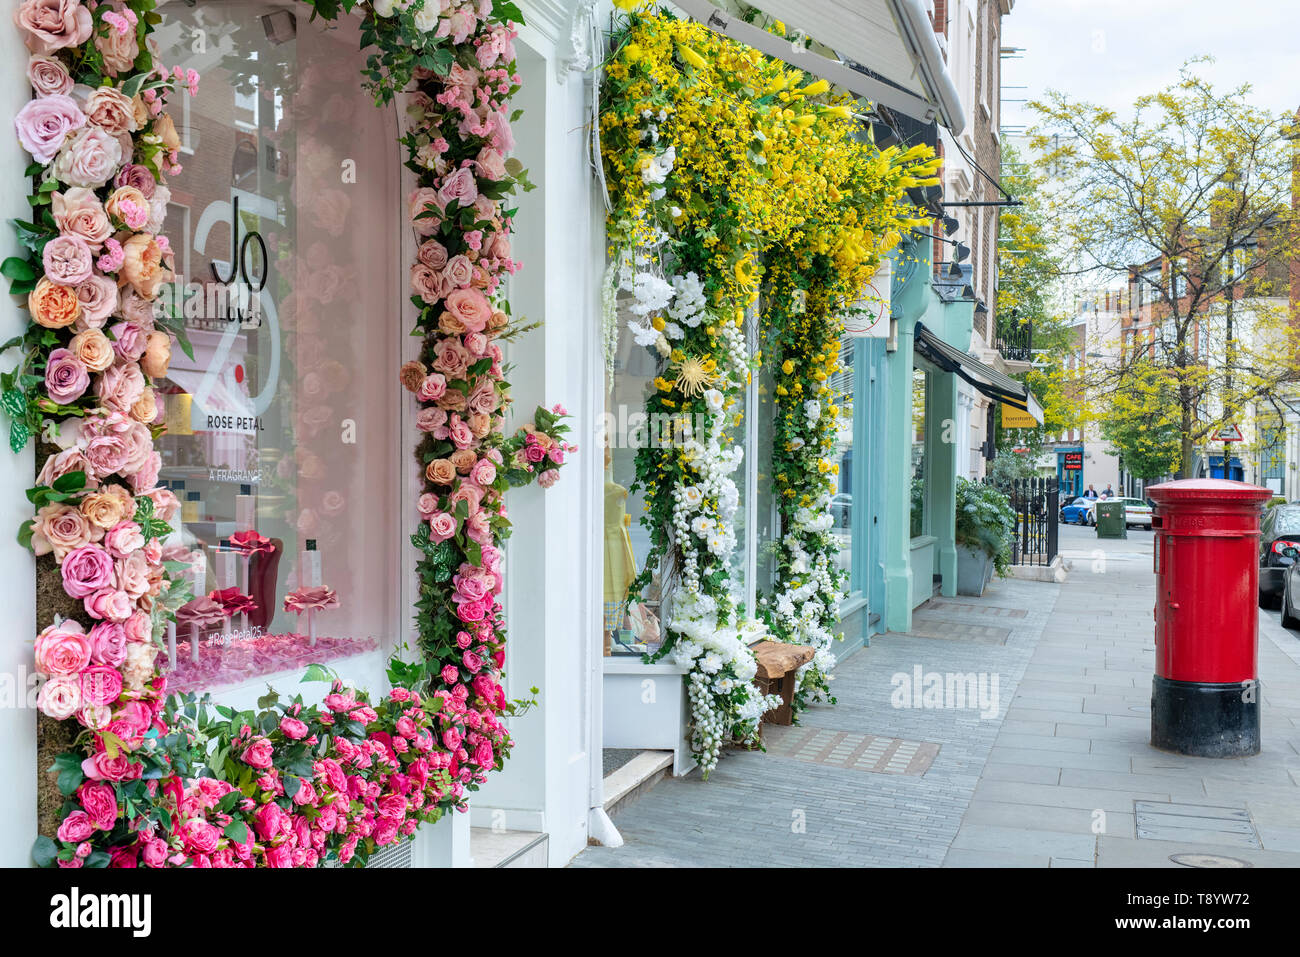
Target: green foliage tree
[[1141, 423], [1188, 199]]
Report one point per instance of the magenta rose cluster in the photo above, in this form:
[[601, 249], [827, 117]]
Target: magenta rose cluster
[[458, 139], [293, 786]]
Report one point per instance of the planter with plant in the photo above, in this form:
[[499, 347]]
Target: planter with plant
[[985, 526]]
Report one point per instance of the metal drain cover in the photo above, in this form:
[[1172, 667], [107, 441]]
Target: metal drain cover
[[1208, 860]]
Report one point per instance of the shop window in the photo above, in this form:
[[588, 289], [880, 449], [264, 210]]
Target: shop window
[[631, 624], [843, 389], [918, 519], [283, 428]]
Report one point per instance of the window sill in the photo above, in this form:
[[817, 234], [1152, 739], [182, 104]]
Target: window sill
[[921, 541], [852, 605]]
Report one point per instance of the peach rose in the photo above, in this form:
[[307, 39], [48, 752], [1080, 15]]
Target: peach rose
[[125, 194], [464, 460], [498, 321], [93, 348], [104, 509], [77, 212], [53, 306], [110, 110], [480, 424], [471, 307], [143, 267], [166, 129], [157, 355], [60, 529], [440, 472], [119, 50], [140, 110], [146, 407], [450, 325], [412, 375]]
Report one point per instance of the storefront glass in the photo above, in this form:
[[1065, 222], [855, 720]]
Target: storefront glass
[[283, 427]]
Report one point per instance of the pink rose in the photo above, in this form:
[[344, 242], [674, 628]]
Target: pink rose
[[102, 767], [118, 49], [458, 272], [427, 283], [451, 358], [459, 187], [491, 164], [483, 398], [433, 254], [78, 212], [428, 420], [425, 210], [471, 307], [450, 675], [98, 298], [130, 340], [53, 24], [123, 539], [266, 820], [85, 570], [48, 76], [293, 728], [200, 836], [110, 604], [76, 827], [90, 158], [68, 260], [484, 473], [100, 804], [548, 478], [60, 697], [442, 526], [461, 436], [108, 644], [101, 685], [121, 386], [45, 123], [66, 377], [63, 649], [258, 753], [433, 387]]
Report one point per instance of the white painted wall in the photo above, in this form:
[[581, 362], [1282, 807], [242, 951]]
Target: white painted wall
[[17, 569]]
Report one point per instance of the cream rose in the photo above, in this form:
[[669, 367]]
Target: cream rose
[[93, 348]]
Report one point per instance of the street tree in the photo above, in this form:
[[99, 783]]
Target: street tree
[[1188, 199]]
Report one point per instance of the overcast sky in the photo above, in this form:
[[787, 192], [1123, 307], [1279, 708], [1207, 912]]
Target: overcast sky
[[1111, 51]]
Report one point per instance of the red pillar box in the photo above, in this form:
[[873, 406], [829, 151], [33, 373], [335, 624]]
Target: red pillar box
[[1205, 695]]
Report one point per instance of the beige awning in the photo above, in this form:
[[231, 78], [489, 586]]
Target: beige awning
[[887, 50]]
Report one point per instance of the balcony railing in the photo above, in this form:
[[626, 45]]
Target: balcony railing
[[1016, 342]]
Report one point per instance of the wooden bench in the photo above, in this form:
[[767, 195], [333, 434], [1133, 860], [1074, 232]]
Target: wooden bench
[[778, 666]]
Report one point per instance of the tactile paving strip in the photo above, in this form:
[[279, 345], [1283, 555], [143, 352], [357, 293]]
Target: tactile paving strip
[[846, 749]]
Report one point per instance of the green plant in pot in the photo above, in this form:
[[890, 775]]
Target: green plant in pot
[[985, 526]]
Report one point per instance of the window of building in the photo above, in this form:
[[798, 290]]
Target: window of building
[[284, 426], [919, 390]]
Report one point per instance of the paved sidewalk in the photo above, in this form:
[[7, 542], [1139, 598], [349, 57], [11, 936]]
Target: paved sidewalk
[[775, 810], [1061, 776], [1072, 780]]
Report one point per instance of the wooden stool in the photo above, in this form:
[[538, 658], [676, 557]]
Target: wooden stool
[[778, 664]]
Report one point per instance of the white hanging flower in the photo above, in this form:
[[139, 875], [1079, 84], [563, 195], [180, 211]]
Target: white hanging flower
[[692, 497], [813, 410], [703, 526], [426, 19], [644, 335]]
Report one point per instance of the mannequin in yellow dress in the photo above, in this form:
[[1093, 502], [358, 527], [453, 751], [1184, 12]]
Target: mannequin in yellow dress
[[620, 562]]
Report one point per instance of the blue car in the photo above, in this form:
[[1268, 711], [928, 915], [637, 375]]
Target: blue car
[[1082, 511]]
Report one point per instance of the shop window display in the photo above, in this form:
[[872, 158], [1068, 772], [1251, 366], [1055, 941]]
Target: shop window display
[[282, 426]]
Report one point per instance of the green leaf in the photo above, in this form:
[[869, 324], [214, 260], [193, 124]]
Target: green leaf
[[75, 482], [14, 402], [44, 852], [18, 436], [291, 785], [237, 831], [317, 672], [15, 268]]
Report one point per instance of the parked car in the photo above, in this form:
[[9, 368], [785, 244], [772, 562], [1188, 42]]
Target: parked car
[[1290, 587], [1137, 512], [1082, 511], [1279, 532]]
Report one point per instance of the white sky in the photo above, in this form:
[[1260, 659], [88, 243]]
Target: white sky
[[1112, 51]]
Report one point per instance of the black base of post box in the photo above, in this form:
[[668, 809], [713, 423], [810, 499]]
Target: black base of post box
[[1205, 719]]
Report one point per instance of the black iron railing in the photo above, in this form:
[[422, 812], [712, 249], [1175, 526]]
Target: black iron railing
[[1016, 341], [1037, 504]]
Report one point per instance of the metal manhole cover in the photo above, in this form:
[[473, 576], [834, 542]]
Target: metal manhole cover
[[1208, 860], [846, 749], [1195, 824]]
